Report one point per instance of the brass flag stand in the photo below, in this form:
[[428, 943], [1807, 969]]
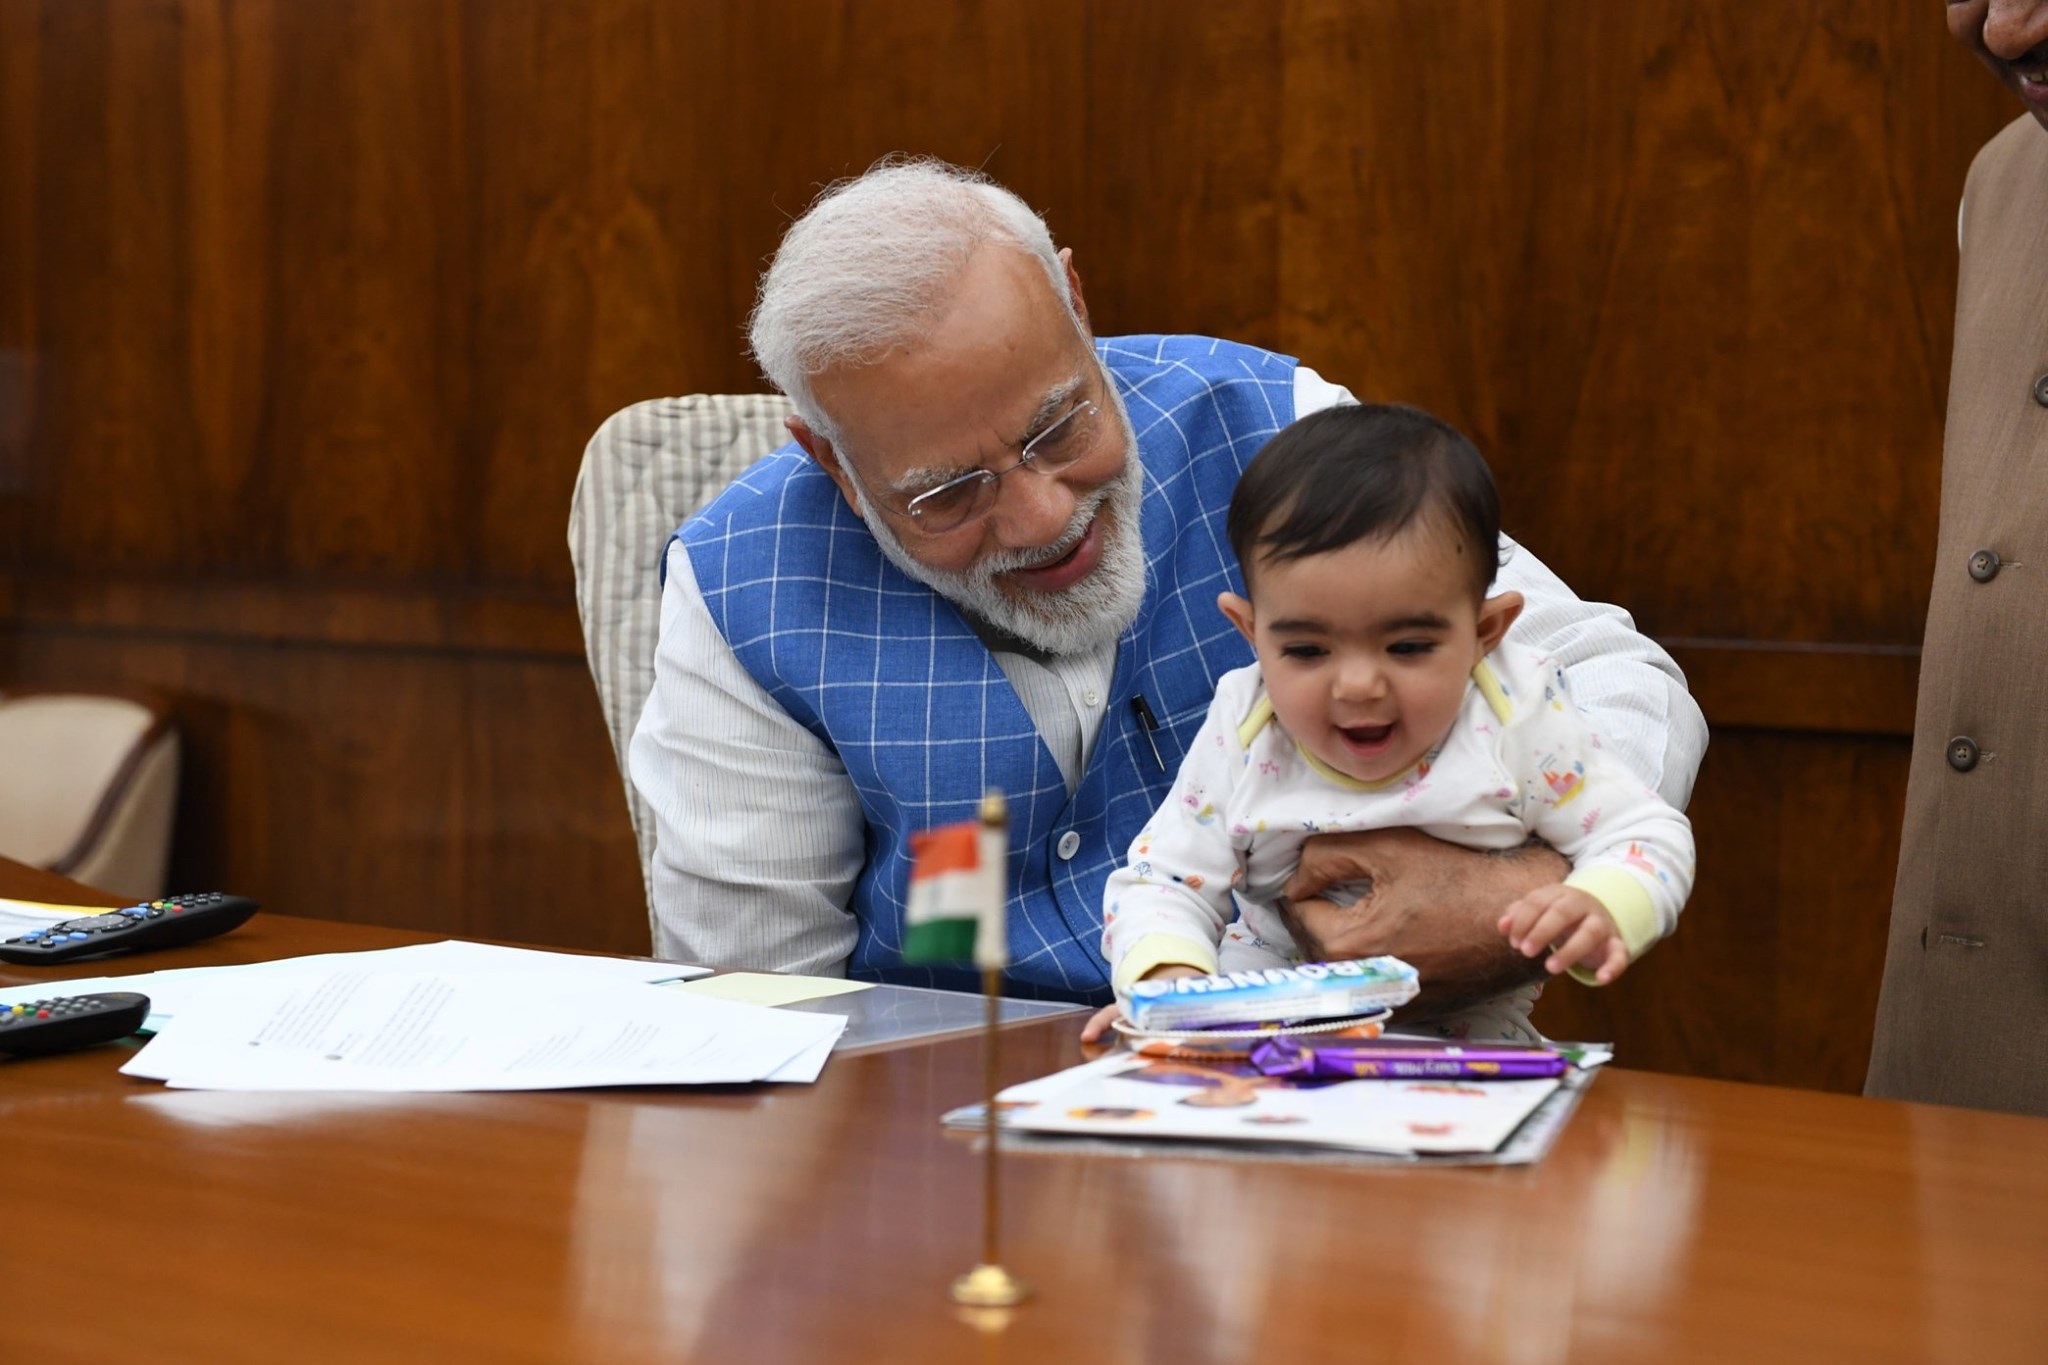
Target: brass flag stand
[[989, 1285]]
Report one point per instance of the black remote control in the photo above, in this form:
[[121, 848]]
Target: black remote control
[[152, 924], [64, 1022]]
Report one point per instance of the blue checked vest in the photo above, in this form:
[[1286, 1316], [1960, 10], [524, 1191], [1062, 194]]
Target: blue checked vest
[[897, 683]]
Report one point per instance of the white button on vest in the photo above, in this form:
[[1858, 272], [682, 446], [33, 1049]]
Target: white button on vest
[[1069, 844]]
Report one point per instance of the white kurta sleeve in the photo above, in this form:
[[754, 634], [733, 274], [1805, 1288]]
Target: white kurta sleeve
[[759, 836]]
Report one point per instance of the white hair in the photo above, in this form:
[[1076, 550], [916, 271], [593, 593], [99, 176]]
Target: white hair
[[869, 262]]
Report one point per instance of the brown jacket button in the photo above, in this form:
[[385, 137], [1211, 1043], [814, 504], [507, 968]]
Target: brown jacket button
[[1962, 753], [2041, 390], [1984, 565]]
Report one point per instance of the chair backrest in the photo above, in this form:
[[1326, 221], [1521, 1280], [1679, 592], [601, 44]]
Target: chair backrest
[[89, 786], [647, 469]]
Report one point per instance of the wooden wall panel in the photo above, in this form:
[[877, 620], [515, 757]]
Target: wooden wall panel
[[306, 312], [464, 791], [1180, 213], [1673, 284]]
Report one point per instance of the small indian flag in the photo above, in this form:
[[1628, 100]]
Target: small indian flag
[[958, 887]]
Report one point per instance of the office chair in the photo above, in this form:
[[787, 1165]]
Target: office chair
[[89, 785], [647, 469]]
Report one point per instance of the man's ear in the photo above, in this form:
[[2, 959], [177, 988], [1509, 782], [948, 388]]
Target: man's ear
[[1239, 610], [820, 449], [1496, 614], [1074, 286]]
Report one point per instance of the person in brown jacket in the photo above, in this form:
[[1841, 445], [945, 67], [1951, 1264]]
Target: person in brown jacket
[[1963, 1018]]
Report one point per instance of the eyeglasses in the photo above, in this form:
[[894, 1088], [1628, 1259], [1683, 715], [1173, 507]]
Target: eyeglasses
[[970, 497]]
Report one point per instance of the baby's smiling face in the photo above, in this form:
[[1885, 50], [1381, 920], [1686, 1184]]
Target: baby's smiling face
[[1366, 650]]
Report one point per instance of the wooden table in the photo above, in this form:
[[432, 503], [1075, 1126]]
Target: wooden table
[[1676, 1220]]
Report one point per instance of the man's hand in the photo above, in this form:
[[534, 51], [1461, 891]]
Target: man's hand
[[1434, 905], [1572, 927], [1099, 1022]]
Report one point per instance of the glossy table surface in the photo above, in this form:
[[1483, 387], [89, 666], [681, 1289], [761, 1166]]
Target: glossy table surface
[[1676, 1219]]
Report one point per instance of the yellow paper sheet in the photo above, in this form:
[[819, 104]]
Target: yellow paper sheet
[[762, 988]]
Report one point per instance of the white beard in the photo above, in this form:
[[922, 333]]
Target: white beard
[[1093, 612]]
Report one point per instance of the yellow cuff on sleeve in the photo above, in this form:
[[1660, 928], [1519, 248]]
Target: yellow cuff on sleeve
[[1161, 950], [1627, 902]]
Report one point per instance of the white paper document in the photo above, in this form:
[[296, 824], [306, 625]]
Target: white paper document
[[172, 991], [18, 917], [432, 1031]]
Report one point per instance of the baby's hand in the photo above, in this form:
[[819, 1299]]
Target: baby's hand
[[1098, 1024], [1575, 929]]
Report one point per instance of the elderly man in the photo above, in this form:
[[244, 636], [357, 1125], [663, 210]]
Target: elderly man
[[990, 557], [1966, 978]]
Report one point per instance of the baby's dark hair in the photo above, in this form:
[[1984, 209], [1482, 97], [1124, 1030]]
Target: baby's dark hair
[[1364, 472]]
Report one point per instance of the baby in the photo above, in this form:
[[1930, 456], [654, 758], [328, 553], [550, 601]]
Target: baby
[[1384, 694]]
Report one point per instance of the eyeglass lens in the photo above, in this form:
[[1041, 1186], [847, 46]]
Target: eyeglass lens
[[953, 504]]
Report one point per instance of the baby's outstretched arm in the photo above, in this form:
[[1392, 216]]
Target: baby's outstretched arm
[[1573, 927]]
